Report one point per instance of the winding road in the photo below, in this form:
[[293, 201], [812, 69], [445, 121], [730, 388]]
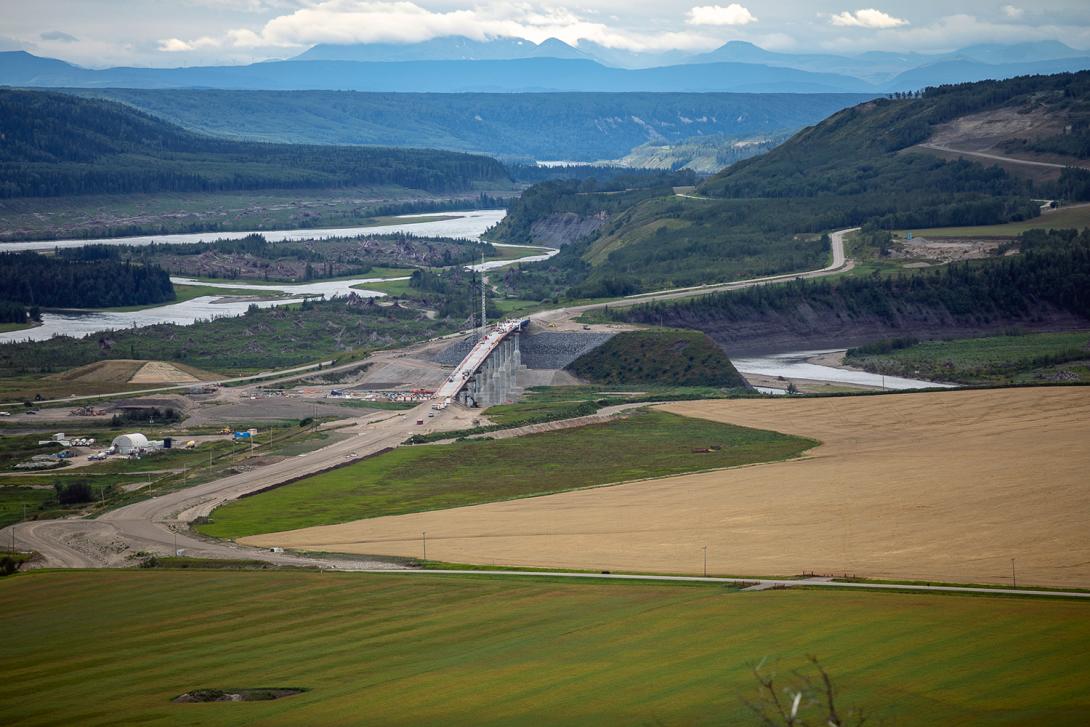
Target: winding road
[[1000, 158]]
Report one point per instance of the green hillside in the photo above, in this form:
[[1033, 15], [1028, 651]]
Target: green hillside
[[57, 144], [664, 357], [765, 215]]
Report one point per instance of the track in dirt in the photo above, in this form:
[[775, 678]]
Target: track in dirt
[[943, 486]]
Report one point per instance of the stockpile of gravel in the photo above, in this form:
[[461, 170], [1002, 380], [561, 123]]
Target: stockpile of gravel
[[557, 350], [453, 354], [541, 351]]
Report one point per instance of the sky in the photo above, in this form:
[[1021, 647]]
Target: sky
[[99, 33]]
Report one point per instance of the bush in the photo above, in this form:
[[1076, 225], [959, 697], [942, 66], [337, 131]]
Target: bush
[[73, 493]]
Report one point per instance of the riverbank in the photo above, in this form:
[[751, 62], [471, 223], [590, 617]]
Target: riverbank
[[819, 372]]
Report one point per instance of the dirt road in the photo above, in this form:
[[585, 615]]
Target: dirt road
[[160, 524]]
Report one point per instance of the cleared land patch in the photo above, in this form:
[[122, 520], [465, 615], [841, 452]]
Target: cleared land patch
[[128, 371], [438, 649], [932, 486], [432, 477]]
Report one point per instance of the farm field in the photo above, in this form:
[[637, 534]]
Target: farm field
[[932, 486], [431, 649], [1033, 357], [433, 477]]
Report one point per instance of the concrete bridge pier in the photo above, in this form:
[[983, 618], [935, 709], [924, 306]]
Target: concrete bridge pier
[[494, 381]]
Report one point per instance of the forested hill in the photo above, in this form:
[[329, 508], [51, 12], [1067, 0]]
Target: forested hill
[[575, 126], [1046, 287], [762, 216], [55, 144], [862, 147]]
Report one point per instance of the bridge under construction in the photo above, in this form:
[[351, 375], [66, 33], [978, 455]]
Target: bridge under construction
[[486, 376]]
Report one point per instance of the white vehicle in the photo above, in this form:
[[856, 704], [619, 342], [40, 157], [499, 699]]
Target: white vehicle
[[5, 413]]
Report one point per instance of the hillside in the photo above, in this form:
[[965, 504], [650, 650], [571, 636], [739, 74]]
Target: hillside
[[58, 144], [547, 126], [765, 215], [660, 357], [863, 147], [1043, 288]]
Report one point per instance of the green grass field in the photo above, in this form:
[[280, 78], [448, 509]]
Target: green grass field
[[115, 647], [435, 477], [1028, 358], [1065, 218]]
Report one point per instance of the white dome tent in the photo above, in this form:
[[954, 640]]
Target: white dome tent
[[129, 443]]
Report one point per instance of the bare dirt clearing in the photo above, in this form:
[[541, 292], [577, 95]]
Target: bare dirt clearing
[[933, 486]]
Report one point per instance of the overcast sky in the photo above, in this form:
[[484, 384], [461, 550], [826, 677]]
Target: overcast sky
[[199, 32]]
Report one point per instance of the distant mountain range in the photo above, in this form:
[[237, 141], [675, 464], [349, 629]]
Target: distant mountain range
[[457, 64]]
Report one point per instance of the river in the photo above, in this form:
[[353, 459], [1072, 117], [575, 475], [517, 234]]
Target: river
[[797, 365], [467, 225]]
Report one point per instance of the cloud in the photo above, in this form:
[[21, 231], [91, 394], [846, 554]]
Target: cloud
[[402, 21], [957, 31], [866, 18], [733, 14], [1012, 12], [58, 36], [177, 45]]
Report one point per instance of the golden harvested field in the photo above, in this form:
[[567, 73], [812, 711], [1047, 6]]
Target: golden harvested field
[[127, 371], [943, 486]]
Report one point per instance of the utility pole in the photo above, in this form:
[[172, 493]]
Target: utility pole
[[482, 294], [423, 536], [705, 561], [1014, 577]]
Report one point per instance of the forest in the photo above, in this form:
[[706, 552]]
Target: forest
[[56, 282], [57, 144], [526, 126], [1051, 274]]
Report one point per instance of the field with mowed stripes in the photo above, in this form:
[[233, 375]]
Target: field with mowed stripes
[[116, 646]]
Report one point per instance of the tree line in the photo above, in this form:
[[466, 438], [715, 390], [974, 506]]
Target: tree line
[[31, 279], [1051, 274]]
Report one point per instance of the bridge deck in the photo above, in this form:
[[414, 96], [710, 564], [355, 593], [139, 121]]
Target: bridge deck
[[477, 356]]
